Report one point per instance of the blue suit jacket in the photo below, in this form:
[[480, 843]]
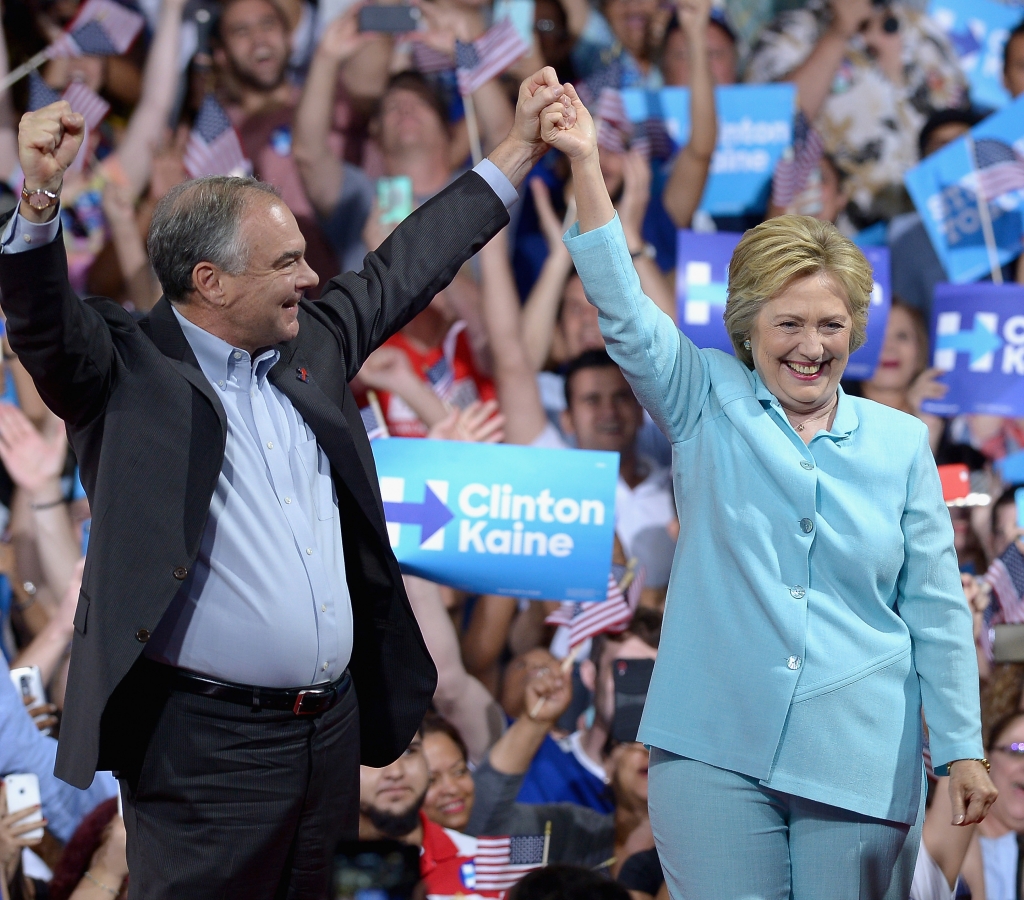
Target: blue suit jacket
[[814, 597]]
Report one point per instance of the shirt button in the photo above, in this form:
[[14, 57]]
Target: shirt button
[[794, 662], [287, 499], [220, 384], [325, 666], [804, 464], [270, 445], [806, 526], [323, 608], [180, 572], [237, 354], [28, 239], [309, 551], [797, 592], [142, 635]]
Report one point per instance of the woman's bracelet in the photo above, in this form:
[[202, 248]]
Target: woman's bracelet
[[39, 507], [100, 884], [29, 589]]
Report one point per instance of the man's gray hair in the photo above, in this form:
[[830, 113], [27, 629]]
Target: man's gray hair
[[198, 221]]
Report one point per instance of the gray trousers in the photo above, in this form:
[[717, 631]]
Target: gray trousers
[[722, 836], [230, 803]]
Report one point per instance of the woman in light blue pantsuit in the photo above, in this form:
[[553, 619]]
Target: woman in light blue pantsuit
[[814, 599]]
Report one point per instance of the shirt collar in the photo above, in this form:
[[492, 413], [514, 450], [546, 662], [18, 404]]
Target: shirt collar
[[219, 360], [846, 420]]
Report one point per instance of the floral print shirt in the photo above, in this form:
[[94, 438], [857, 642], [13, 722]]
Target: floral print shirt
[[870, 125]]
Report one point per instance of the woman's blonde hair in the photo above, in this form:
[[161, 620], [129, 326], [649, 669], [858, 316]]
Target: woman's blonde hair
[[775, 253]]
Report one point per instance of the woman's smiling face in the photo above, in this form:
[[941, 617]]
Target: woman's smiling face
[[800, 342]]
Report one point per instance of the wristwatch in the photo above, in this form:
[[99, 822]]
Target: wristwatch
[[40, 199], [983, 761]]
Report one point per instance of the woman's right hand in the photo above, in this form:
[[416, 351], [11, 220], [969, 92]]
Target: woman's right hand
[[568, 126]]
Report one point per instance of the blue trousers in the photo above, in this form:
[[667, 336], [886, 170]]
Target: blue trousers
[[722, 836]]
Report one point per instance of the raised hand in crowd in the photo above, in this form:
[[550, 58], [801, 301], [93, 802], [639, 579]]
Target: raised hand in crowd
[[632, 207], [13, 827], [685, 186], [480, 423], [540, 311], [813, 78], [388, 369], [141, 286], [33, 460]]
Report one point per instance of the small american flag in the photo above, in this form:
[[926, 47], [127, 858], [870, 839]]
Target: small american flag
[[794, 168], [101, 28], [1006, 576], [502, 861], [40, 94], [1000, 170], [85, 101], [213, 147], [428, 60], [613, 125], [652, 139], [586, 620], [375, 428], [488, 56]]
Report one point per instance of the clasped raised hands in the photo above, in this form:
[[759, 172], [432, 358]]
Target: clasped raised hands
[[566, 125]]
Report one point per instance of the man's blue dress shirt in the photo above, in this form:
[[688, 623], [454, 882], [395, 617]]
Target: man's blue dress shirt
[[267, 601]]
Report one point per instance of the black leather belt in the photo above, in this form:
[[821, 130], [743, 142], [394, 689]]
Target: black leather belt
[[307, 701]]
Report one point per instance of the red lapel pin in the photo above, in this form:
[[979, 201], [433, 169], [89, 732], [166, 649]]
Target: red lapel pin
[[302, 374]]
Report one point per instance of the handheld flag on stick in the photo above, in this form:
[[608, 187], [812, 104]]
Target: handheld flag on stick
[[794, 168], [586, 620], [213, 147], [503, 861], [101, 28], [488, 56], [85, 101]]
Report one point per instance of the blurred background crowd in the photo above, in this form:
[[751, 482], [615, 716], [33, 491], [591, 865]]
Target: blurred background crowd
[[355, 127]]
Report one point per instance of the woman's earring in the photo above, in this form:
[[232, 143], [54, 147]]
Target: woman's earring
[[746, 345]]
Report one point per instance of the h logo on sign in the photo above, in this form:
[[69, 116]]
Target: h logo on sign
[[431, 515], [981, 342]]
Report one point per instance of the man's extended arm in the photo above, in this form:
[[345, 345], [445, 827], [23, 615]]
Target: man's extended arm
[[64, 344], [425, 252]]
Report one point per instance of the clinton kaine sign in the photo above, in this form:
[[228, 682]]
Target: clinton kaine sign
[[498, 519]]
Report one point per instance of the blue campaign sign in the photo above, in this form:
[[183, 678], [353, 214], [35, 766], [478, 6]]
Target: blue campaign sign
[[978, 29], [498, 519], [702, 272], [946, 188], [755, 126], [978, 339]]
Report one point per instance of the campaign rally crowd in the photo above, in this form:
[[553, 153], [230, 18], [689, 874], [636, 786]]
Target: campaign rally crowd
[[524, 769]]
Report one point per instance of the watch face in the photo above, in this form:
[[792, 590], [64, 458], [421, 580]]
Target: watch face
[[39, 200]]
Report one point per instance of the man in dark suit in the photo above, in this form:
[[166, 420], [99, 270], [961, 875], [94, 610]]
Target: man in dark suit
[[243, 639]]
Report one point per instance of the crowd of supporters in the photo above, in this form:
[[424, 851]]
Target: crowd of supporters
[[352, 127]]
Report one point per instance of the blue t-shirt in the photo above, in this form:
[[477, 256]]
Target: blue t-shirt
[[557, 776]]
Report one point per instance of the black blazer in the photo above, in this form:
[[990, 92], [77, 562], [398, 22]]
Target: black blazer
[[149, 433]]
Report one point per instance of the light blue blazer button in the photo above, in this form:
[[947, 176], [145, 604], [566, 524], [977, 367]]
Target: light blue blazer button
[[797, 592], [794, 662], [804, 464], [806, 526]]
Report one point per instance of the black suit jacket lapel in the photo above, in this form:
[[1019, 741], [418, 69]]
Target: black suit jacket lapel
[[332, 431], [166, 334]]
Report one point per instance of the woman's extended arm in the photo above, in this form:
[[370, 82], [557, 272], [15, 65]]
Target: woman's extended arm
[[668, 374]]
